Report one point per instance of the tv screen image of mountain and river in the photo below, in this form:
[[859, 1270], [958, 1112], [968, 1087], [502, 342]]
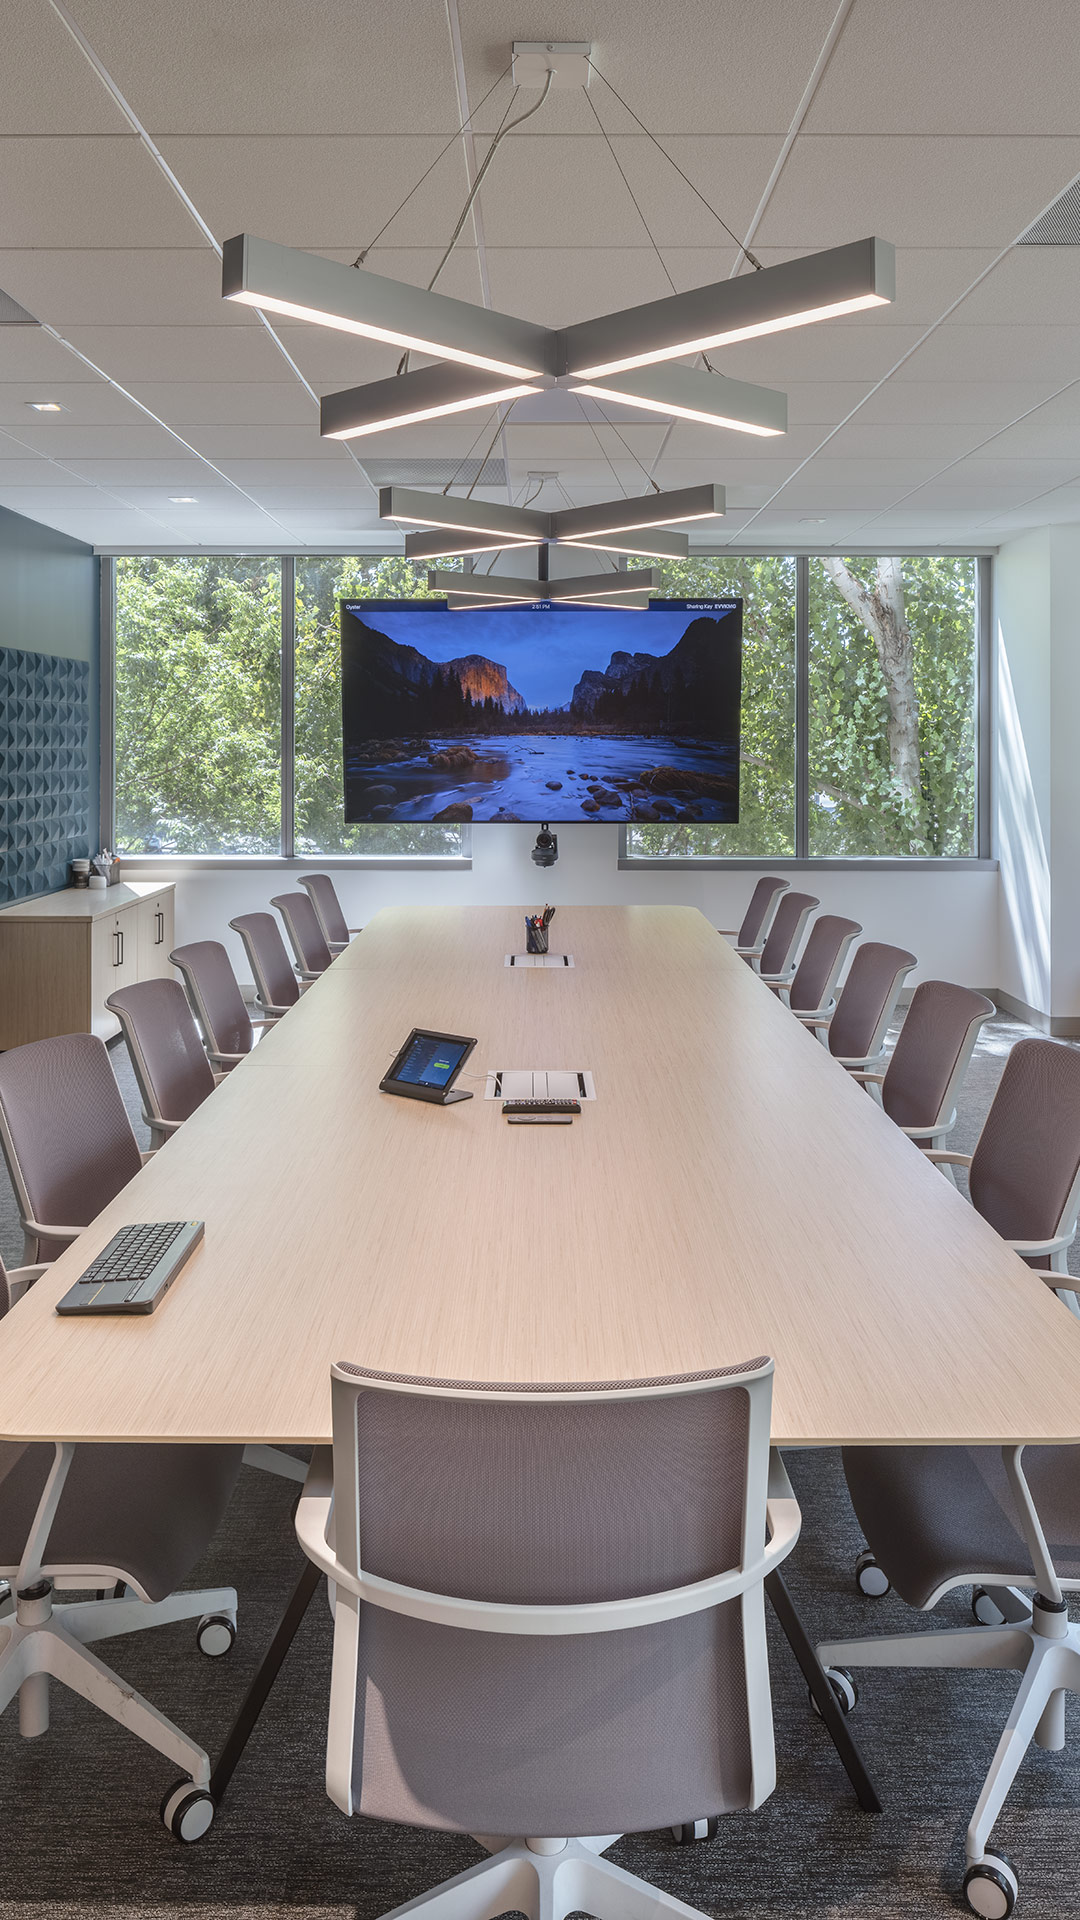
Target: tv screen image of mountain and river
[[541, 712]]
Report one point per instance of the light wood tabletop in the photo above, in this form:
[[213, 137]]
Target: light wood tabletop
[[730, 1192]]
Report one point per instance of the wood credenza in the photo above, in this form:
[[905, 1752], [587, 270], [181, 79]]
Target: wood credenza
[[62, 954]]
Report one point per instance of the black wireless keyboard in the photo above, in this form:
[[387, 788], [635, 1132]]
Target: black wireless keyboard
[[132, 1273], [541, 1106]]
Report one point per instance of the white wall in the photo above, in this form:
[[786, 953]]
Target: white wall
[[948, 918]]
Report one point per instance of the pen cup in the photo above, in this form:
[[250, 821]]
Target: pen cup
[[536, 938]]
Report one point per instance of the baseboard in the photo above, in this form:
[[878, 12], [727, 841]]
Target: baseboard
[[1061, 1026]]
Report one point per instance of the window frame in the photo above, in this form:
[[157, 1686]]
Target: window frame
[[288, 858]]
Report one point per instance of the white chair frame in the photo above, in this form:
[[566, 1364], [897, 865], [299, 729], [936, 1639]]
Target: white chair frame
[[791, 966], [821, 1022], [335, 946], [732, 933], [945, 1118], [206, 1026], [33, 1229], [1056, 1248], [272, 1012], [160, 1128], [782, 988], [546, 1878]]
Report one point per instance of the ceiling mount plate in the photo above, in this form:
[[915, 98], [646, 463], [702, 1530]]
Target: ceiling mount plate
[[566, 60]]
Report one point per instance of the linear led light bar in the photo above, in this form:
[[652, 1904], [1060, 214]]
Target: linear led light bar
[[426, 394], [303, 286], [643, 510], [459, 602], [693, 393], [519, 525], [656, 544], [795, 293], [483, 587], [444, 546], [629, 603], [606, 586]]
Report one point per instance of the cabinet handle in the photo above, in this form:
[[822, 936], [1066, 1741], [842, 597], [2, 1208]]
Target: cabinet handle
[[116, 946], [160, 919], [120, 954]]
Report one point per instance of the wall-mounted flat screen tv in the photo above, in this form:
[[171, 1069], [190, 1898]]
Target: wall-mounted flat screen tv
[[541, 712]]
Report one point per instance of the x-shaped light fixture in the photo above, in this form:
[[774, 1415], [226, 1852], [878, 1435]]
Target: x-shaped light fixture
[[490, 357]]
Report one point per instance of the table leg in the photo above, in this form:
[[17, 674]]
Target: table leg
[[824, 1699], [258, 1692]]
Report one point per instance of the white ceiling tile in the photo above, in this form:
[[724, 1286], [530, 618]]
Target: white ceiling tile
[[185, 404], [28, 354], [46, 84], [116, 286], [75, 441], [852, 349], [984, 403], [176, 475], [995, 353], [132, 354], [88, 402], [99, 192]]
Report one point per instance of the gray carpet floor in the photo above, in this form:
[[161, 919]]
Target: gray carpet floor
[[80, 1838]]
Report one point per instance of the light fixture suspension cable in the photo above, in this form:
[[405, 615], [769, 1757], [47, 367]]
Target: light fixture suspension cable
[[608, 422], [504, 129], [630, 191], [415, 188], [754, 261]]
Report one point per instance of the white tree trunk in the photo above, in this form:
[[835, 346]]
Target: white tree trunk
[[881, 610]]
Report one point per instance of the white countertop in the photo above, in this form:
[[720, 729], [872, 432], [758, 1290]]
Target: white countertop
[[84, 903]]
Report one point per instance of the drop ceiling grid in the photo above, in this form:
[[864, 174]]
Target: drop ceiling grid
[[126, 279]]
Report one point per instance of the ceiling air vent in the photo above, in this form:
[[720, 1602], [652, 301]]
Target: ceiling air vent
[[1060, 224], [12, 315], [436, 473]]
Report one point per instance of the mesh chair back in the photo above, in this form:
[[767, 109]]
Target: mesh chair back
[[932, 1052], [759, 913], [301, 921], [789, 920], [276, 983], [518, 1500], [169, 1059], [66, 1135], [322, 893], [823, 957], [1024, 1169], [215, 997], [868, 1002]]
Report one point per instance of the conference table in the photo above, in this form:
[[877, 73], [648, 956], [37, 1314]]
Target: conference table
[[729, 1192]]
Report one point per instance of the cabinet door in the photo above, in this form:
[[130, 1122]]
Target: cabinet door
[[114, 962], [155, 917]]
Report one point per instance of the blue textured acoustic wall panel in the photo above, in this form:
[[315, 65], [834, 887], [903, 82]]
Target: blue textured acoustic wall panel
[[44, 770]]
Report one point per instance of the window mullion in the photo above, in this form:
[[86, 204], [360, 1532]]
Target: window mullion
[[288, 705], [802, 707]]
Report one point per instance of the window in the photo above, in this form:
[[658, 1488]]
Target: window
[[320, 826], [892, 706], [767, 760], [198, 705]]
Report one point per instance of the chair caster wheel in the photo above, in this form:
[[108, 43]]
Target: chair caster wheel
[[991, 1886], [869, 1577], [214, 1635], [187, 1811], [692, 1830], [985, 1608], [845, 1692]]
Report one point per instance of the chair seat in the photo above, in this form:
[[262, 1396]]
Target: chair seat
[[146, 1511], [934, 1514]]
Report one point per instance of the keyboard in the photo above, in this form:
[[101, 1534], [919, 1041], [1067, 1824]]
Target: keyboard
[[131, 1274], [512, 1107]]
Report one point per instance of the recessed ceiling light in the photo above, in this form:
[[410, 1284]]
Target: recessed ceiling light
[[182, 500], [810, 521], [46, 406]]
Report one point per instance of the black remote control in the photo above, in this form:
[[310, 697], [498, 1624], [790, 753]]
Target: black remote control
[[541, 1106]]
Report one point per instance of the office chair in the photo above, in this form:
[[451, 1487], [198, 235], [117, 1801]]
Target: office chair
[[133, 1520], [541, 1640], [217, 1002], [941, 1517], [276, 985], [926, 1068], [173, 1073], [776, 962], [313, 956], [65, 1136], [812, 987], [855, 1031], [322, 893], [758, 917]]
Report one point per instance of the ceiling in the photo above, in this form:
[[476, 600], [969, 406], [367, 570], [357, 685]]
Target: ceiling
[[951, 418]]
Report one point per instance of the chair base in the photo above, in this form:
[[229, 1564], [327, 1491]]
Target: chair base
[[44, 1642], [1045, 1649], [545, 1880]]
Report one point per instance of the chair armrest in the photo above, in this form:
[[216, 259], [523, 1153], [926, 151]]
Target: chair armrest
[[814, 1019], [149, 1154], [356, 930], [782, 1513], [942, 1158], [20, 1278], [161, 1126], [858, 1073], [34, 1230], [269, 1021], [226, 1059], [1034, 1249]]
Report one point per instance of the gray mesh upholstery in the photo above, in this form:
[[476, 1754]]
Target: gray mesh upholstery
[[167, 1054], [784, 932], [756, 913], [1027, 1153], [215, 996], [933, 1514], [870, 993], [275, 978], [312, 953], [149, 1512], [69, 1130], [551, 1502], [936, 1026], [322, 893], [816, 971]]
